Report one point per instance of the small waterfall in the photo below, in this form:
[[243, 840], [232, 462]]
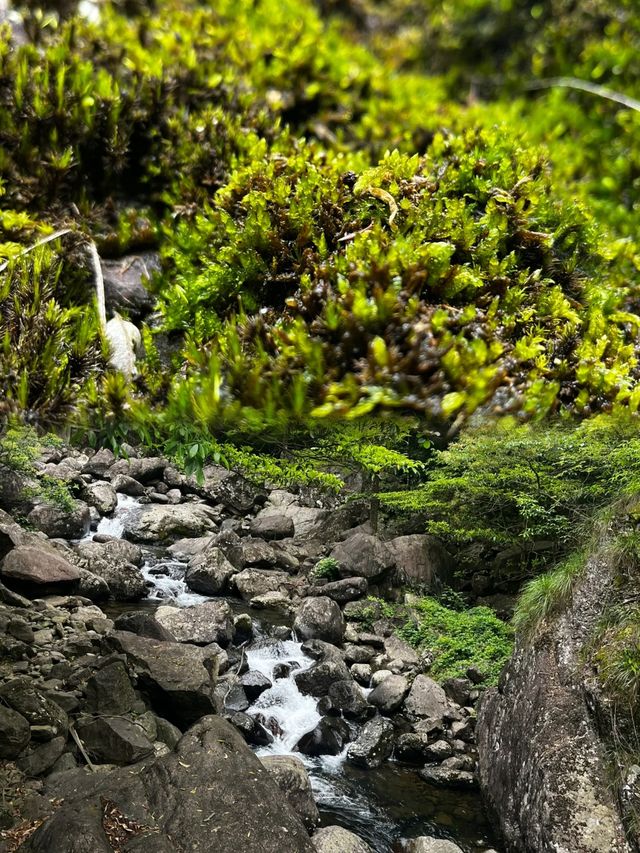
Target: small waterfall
[[113, 525], [166, 577], [293, 713]]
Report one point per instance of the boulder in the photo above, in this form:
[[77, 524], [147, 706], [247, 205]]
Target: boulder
[[327, 738], [46, 718], [427, 844], [426, 699], [179, 679], [191, 547], [347, 700], [159, 523], [421, 561], [342, 591], [319, 618], [41, 758], [209, 572], [251, 583], [110, 561], [219, 486], [210, 622], [203, 796], [14, 733], [143, 468], [335, 839], [16, 489], [251, 729], [126, 485], [447, 775], [38, 568], [102, 496], [109, 690], [271, 526], [144, 624], [305, 520], [251, 552], [254, 684], [317, 680], [58, 522], [113, 740], [412, 748], [363, 555], [373, 745], [124, 283], [397, 649], [293, 780], [273, 600], [98, 464], [389, 695]]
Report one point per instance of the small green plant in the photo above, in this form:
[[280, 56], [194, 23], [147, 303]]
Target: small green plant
[[327, 568], [545, 595], [616, 654], [20, 449]]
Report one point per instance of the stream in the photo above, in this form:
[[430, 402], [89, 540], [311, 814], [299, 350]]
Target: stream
[[383, 805]]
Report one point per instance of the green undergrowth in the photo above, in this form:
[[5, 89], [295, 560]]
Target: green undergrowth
[[453, 640], [20, 451]]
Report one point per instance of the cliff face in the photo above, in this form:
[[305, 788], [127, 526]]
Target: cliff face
[[542, 757]]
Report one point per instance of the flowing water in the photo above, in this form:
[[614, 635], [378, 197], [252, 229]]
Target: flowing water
[[382, 806]]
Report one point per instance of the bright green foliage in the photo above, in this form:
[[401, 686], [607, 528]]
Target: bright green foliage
[[327, 568], [49, 351], [615, 652], [505, 484], [545, 595], [20, 450], [453, 640]]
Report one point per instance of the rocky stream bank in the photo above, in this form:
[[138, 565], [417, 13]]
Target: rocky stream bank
[[175, 677]]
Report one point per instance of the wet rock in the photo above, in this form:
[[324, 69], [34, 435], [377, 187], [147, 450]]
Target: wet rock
[[361, 673], [179, 679], [363, 555], [45, 717], [37, 761], [321, 619], [113, 740], [14, 733], [327, 738], [342, 591], [421, 560], [20, 630], [447, 775], [426, 699], [412, 748], [254, 684], [33, 568], [110, 561], [161, 523], [274, 600], [271, 526], [389, 694], [99, 463], [317, 680], [235, 699], [144, 624], [109, 690], [438, 751], [347, 699], [458, 689], [143, 468], [126, 485], [293, 780], [59, 522], [92, 586], [102, 496], [210, 622], [242, 628], [354, 653], [212, 772], [335, 839], [209, 572], [373, 745], [191, 547], [251, 729], [427, 844]]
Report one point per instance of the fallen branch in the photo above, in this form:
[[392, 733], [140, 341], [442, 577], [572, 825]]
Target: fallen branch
[[79, 744]]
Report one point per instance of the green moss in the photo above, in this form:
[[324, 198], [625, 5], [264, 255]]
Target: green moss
[[20, 450]]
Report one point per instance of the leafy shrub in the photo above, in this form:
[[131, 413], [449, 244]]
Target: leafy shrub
[[616, 653], [20, 450], [326, 568]]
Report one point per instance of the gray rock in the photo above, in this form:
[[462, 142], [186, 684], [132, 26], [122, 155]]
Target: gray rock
[[373, 745], [161, 523], [305, 519], [102, 496], [398, 649], [251, 583], [110, 561], [124, 283], [209, 572], [327, 738], [210, 622], [99, 463], [361, 673], [45, 717], [211, 773], [363, 555], [412, 748], [126, 485], [109, 690], [40, 759], [144, 469], [58, 522], [319, 618], [144, 624], [427, 844], [271, 526], [14, 733], [113, 740], [389, 695], [426, 699], [254, 684], [342, 591], [317, 680], [335, 839], [446, 776], [347, 699], [33, 567], [293, 780], [179, 679], [191, 547], [421, 561]]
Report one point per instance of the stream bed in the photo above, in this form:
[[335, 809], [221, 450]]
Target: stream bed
[[383, 805]]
